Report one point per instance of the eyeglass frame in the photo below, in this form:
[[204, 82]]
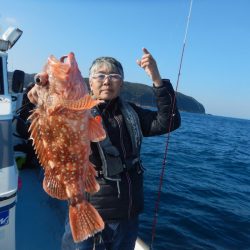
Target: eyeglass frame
[[105, 76]]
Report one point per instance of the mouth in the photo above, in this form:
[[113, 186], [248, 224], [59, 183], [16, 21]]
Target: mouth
[[106, 91]]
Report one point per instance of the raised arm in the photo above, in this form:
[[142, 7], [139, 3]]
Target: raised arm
[[167, 117]]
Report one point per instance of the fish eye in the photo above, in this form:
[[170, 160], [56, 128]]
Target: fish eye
[[37, 80], [41, 79]]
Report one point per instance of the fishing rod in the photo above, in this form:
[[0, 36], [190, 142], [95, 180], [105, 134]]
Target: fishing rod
[[169, 129]]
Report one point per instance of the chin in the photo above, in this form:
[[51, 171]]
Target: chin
[[107, 97]]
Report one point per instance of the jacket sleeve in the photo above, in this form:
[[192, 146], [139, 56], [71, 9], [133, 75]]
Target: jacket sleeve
[[158, 122]]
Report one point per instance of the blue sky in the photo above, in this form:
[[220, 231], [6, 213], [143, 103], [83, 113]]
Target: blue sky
[[216, 65]]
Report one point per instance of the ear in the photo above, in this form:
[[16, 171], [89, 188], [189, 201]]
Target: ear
[[90, 84], [90, 88]]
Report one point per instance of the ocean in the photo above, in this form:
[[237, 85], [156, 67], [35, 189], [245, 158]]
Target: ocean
[[205, 198]]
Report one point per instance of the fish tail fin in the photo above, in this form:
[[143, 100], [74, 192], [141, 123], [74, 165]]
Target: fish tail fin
[[96, 131], [91, 184], [85, 221], [54, 187]]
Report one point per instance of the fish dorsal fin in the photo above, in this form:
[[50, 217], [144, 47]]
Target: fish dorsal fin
[[96, 131], [36, 134], [87, 102]]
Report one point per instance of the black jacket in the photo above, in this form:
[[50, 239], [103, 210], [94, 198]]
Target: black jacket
[[110, 204]]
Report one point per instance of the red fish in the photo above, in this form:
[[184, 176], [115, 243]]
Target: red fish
[[62, 128]]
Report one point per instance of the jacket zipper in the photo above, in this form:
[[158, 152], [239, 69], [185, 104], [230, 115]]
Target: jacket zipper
[[127, 175], [130, 195], [120, 132]]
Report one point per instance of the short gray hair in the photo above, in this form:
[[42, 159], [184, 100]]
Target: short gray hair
[[111, 63]]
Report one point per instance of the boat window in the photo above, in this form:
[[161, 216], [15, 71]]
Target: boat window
[[6, 146], [1, 77]]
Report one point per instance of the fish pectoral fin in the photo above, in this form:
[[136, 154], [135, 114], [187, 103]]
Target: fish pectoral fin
[[90, 183], [55, 109], [87, 102], [85, 221], [96, 131], [54, 187]]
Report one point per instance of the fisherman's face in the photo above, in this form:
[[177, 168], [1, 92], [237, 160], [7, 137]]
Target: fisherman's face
[[104, 84]]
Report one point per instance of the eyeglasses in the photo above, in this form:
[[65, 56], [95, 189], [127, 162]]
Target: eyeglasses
[[102, 77]]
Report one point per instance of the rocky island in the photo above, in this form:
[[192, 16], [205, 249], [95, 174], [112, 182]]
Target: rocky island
[[142, 95]]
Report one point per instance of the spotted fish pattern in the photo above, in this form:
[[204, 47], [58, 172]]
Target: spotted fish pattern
[[62, 128]]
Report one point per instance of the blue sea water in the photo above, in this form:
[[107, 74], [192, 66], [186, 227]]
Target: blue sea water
[[205, 198]]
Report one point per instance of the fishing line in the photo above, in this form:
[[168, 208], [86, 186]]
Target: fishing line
[[157, 203]]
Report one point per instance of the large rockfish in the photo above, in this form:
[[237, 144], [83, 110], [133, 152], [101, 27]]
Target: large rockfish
[[61, 129]]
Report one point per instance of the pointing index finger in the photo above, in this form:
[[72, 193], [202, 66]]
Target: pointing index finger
[[145, 51]]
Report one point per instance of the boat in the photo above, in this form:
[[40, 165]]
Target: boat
[[8, 168], [40, 218]]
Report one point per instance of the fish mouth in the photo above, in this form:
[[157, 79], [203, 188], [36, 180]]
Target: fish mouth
[[68, 58], [63, 59]]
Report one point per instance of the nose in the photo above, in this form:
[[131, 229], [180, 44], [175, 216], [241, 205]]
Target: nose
[[107, 79]]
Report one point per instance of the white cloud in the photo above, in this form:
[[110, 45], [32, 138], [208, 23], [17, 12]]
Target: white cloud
[[6, 22], [10, 21]]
